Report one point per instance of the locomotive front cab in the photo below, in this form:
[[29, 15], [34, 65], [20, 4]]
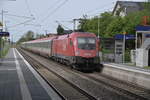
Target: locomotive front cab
[[86, 52]]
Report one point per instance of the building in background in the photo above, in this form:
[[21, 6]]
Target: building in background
[[123, 8]]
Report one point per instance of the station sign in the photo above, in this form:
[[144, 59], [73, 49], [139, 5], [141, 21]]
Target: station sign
[[127, 36], [142, 28], [4, 34]]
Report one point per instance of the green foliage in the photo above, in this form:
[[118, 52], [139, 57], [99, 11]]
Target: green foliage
[[105, 19], [147, 67], [27, 37], [115, 27], [91, 25], [127, 56], [60, 30], [111, 25], [146, 5], [4, 45]]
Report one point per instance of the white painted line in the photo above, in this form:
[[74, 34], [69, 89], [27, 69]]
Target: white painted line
[[6, 61], [24, 89], [127, 69], [9, 69], [47, 88]]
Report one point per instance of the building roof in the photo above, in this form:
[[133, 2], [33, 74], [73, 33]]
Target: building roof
[[130, 4]]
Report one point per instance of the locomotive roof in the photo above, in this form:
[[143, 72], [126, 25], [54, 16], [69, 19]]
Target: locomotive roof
[[74, 34]]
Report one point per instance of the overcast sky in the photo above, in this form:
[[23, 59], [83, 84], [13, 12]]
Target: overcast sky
[[47, 12]]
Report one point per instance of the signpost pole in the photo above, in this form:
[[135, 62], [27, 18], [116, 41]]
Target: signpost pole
[[124, 44]]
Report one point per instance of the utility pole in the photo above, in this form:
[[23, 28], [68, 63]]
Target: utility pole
[[98, 26]]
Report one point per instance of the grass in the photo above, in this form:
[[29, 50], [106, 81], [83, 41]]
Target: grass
[[107, 51], [5, 50], [131, 64], [147, 67]]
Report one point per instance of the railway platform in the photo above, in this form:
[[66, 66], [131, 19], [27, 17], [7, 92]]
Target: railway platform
[[129, 67], [19, 81], [128, 73]]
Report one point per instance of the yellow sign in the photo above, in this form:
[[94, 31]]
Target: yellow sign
[[124, 32]]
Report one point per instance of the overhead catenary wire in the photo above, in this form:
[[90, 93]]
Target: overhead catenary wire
[[26, 17], [27, 21], [28, 7], [54, 11], [51, 6]]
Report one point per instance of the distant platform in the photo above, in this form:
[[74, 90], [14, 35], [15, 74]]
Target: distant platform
[[19, 81]]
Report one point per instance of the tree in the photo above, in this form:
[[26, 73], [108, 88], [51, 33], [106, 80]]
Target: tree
[[91, 25], [111, 25], [105, 19], [60, 30], [115, 27], [146, 5], [27, 37]]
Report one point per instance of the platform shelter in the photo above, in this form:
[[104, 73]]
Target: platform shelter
[[142, 58]]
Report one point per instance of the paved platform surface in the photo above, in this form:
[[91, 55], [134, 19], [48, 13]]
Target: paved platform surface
[[129, 67], [19, 81]]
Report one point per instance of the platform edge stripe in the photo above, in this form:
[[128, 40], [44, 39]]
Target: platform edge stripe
[[24, 89], [127, 69], [46, 87]]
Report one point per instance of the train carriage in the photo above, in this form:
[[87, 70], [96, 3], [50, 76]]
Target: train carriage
[[40, 46]]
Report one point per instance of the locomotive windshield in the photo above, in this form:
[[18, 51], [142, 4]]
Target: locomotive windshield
[[86, 43]]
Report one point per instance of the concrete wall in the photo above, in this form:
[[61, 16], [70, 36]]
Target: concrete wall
[[141, 57], [133, 56], [137, 77]]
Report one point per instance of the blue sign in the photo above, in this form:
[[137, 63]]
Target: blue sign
[[142, 28], [4, 33], [127, 36]]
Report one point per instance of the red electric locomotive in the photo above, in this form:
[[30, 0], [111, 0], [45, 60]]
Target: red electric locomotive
[[78, 49]]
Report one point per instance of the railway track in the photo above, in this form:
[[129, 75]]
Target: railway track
[[122, 88], [65, 89], [125, 90]]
